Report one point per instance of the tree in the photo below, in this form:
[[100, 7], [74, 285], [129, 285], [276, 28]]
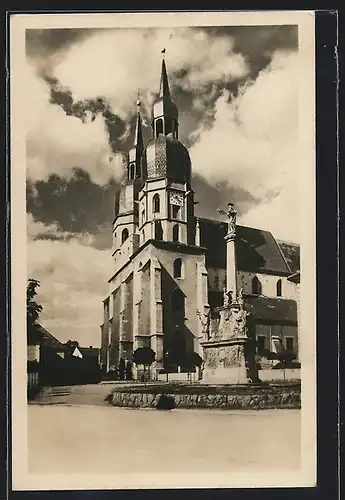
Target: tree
[[144, 356], [33, 309], [193, 360]]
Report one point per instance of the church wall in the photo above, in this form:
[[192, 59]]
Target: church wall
[[115, 327], [268, 284], [217, 281], [187, 284], [144, 311]]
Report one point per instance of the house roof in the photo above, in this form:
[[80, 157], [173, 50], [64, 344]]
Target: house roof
[[256, 250], [272, 309], [48, 340], [89, 352]]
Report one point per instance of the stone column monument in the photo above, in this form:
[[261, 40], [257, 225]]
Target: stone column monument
[[228, 358]]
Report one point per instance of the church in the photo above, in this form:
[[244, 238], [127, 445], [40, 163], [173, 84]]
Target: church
[[171, 268]]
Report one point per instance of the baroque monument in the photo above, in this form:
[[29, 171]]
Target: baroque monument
[[230, 346]]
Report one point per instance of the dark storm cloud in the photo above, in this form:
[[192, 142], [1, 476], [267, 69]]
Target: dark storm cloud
[[79, 206], [210, 198], [87, 110], [76, 206]]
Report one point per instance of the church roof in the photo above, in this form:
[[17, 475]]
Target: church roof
[[275, 310], [257, 251]]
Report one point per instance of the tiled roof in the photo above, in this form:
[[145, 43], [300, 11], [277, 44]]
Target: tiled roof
[[272, 309], [256, 250]]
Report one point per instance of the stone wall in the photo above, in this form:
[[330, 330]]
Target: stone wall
[[273, 398]]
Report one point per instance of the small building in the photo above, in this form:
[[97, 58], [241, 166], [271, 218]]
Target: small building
[[53, 363]]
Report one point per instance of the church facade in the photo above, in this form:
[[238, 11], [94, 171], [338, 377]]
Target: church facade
[[170, 268]]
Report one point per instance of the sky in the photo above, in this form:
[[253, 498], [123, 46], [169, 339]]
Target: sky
[[237, 93]]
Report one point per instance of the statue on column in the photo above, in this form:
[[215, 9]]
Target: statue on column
[[232, 218], [231, 214]]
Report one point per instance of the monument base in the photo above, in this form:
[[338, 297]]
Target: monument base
[[224, 362]]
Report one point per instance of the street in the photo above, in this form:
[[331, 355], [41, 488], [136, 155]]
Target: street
[[75, 432]]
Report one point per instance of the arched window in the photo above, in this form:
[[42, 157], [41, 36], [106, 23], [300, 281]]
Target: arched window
[[125, 235], [159, 126], [256, 286], [177, 270], [137, 171], [176, 232], [279, 288], [156, 203], [158, 230], [132, 171]]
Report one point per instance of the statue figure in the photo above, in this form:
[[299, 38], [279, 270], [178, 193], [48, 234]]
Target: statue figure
[[227, 297], [240, 316], [240, 298], [232, 218]]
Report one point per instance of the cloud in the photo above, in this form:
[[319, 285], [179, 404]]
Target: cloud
[[73, 278], [253, 143], [56, 142], [81, 99], [116, 63]]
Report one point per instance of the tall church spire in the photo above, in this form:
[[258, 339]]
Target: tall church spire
[[164, 111], [134, 154], [138, 137], [164, 91]]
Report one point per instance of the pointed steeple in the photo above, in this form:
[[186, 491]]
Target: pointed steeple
[[138, 137], [134, 154], [164, 90], [164, 111]]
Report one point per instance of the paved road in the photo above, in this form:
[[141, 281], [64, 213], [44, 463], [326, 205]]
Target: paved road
[[72, 430], [108, 440]]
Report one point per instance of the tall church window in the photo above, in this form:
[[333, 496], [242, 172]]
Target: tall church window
[[156, 203], [159, 126], [279, 288], [177, 268], [158, 230], [256, 286], [142, 217], [125, 235], [132, 171], [176, 231]]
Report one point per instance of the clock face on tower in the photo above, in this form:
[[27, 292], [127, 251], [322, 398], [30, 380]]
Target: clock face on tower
[[177, 199]]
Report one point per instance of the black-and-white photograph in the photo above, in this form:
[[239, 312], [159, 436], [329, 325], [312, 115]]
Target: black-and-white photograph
[[163, 176]]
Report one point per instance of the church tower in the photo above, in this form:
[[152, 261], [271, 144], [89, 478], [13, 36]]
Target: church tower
[[125, 226], [166, 201], [157, 294]]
